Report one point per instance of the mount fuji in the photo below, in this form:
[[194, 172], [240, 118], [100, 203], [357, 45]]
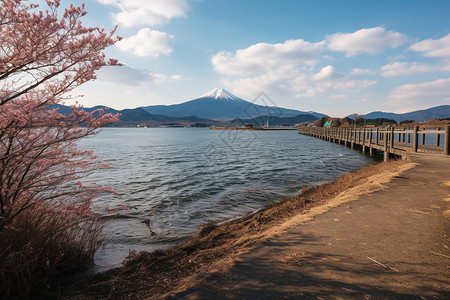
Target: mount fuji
[[219, 104]]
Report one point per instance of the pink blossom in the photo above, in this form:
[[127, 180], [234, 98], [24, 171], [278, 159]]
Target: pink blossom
[[41, 164]]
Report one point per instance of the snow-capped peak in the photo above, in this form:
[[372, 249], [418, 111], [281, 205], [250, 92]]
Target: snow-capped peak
[[222, 94]]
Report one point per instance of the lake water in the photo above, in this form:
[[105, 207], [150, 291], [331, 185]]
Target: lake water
[[174, 179]]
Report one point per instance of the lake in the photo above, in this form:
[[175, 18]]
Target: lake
[[175, 179]]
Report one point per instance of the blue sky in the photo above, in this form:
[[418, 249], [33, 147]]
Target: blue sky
[[334, 57]]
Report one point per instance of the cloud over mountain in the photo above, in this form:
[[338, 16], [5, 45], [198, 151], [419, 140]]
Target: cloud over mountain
[[307, 69], [284, 68], [263, 57], [367, 40], [434, 91]]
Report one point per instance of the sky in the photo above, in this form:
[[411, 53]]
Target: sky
[[334, 57]]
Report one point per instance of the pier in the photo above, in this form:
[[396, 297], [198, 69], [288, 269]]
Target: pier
[[389, 140]]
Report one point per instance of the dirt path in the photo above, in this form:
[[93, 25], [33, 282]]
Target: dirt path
[[393, 243]]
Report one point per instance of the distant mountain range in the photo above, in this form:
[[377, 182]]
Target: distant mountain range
[[219, 104], [438, 112], [138, 116], [221, 108]]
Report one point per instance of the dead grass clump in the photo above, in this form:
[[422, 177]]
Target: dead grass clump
[[295, 258], [40, 248], [151, 274], [206, 228]]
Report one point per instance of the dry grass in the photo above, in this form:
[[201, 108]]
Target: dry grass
[[295, 258], [40, 248], [153, 274]]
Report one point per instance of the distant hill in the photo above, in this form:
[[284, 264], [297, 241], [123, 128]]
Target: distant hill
[[276, 121], [219, 104], [138, 116], [438, 112]]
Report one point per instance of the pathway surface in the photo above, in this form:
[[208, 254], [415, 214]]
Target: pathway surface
[[391, 244]]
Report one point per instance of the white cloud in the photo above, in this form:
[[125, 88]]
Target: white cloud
[[302, 84], [326, 73], [337, 96], [431, 93], [433, 48], [408, 68], [131, 77], [327, 79], [147, 42], [147, 12], [160, 78], [290, 68], [367, 40], [358, 71], [263, 57], [274, 82]]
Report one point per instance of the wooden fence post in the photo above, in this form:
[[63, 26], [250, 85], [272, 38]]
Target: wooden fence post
[[363, 140], [377, 137], [347, 136], [352, 137], [386, 152], [447, 141], [391, 139], [438, 136], [415, 138]]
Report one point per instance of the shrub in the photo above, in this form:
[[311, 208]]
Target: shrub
[[406, 122], [41, 246]]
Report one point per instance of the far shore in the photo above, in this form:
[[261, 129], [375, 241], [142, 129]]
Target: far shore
[[254, 128]]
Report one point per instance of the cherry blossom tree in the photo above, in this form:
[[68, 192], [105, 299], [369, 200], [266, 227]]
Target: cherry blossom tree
[[44, 55]]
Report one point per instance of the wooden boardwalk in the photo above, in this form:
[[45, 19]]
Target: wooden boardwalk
[[388, 140]]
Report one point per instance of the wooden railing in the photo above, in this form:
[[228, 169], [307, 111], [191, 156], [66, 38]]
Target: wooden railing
[[389, 140]]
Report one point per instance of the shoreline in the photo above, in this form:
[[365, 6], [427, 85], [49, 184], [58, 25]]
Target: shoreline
[[254, 128], [216, 247]]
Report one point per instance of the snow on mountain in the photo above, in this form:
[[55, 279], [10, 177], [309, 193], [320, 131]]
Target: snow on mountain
[[221, 94]]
